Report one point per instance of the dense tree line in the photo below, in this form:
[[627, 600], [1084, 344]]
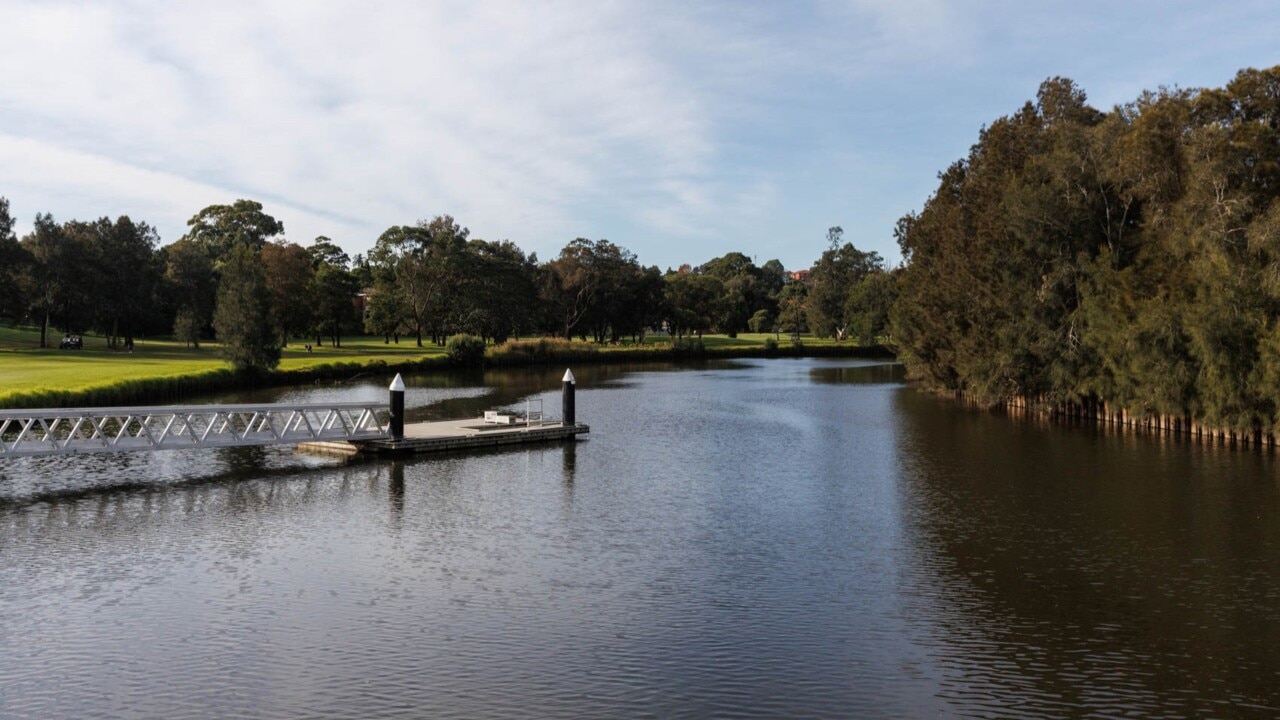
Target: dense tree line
[[79, 274], [1129, 257], [233, 276], [1075, 256]]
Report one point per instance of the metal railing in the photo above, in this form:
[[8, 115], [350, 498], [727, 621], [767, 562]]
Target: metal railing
[[88, 430], [533, 412]]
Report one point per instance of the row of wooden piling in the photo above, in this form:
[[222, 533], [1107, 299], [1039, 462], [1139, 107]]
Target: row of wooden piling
[[1095, 410]]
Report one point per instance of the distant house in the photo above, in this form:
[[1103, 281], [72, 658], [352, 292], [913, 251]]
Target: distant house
[[800, 276], [361, 303]]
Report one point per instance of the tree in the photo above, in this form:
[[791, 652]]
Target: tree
[[792, 301], [13, 262], [82, 294], [991, 294], [732, 311], [242, 318], [692, 302], [127, 275], [190, 281], [568, 286], [773, 276], [362, 269], [647, 307], [840, 269], [423, 260], [588, 289], [400, 252], [188, 327], [334, 293], [219, 228], [6, 222], [333, 289], [498, 294], [53, 273], [287, 270], [444, 271], [616, 271], [387, 309], [1130, 258], [745, 291], [761, 322], [869, 305], [324, 251]]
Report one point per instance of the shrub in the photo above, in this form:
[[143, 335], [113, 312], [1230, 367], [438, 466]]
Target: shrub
[[683, 347], [540, 351], [465, 350], [770, 345], [762, 321]]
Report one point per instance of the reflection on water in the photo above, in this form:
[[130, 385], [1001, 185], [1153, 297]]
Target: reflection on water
[[1086, 572], [885, 373], [448, 395], [768, 538], [570, 456], [395, 489]]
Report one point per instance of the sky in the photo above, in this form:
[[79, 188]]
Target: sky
[[678, 130]]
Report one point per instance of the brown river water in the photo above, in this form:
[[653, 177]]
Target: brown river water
[[766, 538]]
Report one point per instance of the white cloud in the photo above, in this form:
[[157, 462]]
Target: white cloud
[[679, 130], [504, 115], [100, 186]]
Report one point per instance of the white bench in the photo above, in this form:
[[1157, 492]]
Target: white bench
[[498, 418]]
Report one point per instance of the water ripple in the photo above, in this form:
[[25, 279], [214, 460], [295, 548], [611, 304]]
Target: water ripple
[[783, 540]]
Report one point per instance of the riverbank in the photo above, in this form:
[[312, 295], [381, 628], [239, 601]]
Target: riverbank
[[1098, 412], [162, 371]]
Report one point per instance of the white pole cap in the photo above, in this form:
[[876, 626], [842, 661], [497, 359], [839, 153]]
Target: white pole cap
[[397, 385], [568, 377]]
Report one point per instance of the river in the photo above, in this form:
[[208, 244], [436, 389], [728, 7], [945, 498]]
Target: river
[[765, 538]]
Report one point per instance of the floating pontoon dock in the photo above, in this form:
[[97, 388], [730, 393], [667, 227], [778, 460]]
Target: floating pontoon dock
[[452, 435], [494, 429], [342, 428]]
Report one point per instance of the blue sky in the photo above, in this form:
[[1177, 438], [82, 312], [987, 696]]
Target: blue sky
[[679, 130]]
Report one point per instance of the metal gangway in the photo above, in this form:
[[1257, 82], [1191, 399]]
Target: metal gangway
[[90, 430]]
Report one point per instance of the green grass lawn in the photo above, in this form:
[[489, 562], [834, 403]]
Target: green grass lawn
[[30, 374], [26, 368]]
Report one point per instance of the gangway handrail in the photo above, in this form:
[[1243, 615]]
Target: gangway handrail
[[160, 409], [64, 431]]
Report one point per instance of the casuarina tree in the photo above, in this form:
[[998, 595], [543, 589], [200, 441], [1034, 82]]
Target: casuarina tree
[[243, 318]]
